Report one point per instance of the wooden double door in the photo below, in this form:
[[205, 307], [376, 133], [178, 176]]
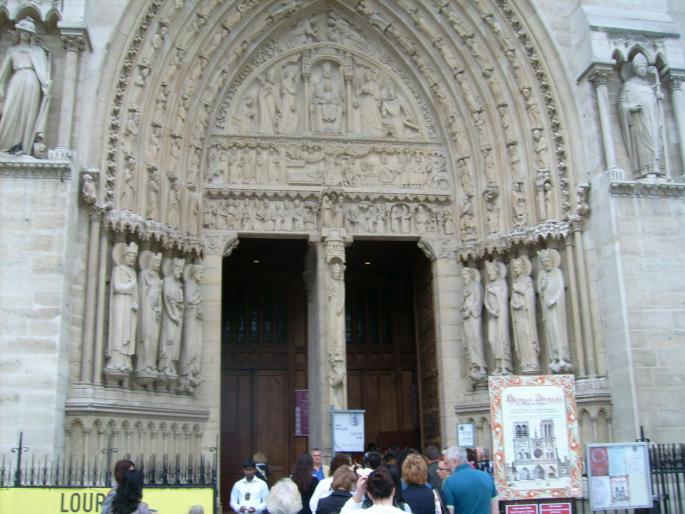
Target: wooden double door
[[264, 354]]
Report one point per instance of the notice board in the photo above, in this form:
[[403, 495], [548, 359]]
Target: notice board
[[618, 476]]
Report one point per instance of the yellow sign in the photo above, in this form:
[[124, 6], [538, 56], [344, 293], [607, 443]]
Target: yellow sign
[[46, 500]]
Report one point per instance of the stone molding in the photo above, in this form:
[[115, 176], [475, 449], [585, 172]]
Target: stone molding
[[89, 400], [31, 168], [112, 409], [298, 192], [150, 230], [549, 230], [651, 189]]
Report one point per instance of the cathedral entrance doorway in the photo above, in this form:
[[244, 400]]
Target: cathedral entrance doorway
[[264, 355], [389, 340]]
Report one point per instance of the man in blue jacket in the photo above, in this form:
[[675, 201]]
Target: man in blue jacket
[[468, 490]]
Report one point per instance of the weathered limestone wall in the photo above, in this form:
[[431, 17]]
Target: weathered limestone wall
[[640, 242], [34, 310]]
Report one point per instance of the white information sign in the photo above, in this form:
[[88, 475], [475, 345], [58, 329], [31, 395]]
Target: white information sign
[[619, 476], [347, 430], [466, 435]]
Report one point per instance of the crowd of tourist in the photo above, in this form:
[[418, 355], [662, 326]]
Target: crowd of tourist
[[400, 482]]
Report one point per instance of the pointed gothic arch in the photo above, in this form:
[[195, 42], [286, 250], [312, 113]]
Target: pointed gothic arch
[[499, 123]]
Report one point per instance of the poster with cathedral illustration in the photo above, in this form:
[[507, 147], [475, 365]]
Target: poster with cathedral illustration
[[535, 436]]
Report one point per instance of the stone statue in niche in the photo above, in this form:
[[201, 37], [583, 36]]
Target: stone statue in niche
[[174, 205], [471, 312], [518, 204], [123, 312], [24, 91], [368, 103], [150, 285], [128, 185], [327, 102], [332, 210], [288, 120], [553, 302], [491, 197], [191, 352], [193, 209], [496, 304], [269, 110], [400, 218], [523, 315], [396, 116], [245, 118], [153, 188], [543, 186], [172, 320], [639, 114]]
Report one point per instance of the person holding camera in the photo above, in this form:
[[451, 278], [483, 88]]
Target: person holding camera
[[248, 493]]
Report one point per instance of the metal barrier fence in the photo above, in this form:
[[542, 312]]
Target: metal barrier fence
[[21, 470], [667, 465]]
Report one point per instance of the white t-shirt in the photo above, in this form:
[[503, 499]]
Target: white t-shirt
[[323, 489]]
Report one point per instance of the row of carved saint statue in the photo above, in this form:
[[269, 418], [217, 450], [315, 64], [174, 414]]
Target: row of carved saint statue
[[155, 324], [519, 303]]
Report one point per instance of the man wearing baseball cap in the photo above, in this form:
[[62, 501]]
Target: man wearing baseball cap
[[248, 493]]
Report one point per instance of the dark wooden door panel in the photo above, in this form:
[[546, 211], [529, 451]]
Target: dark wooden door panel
[[264, 356], [272, 426]]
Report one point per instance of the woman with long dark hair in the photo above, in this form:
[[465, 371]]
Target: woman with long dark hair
[[129, 495], [120, 467], [305, 480]]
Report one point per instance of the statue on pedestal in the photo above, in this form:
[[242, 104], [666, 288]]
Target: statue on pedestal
[[471, 311], [150, 285], [553, 302], [640, 122], [123, 312], [24, 92], [192, 329], [523, 315], [496, 304], [172, 320]]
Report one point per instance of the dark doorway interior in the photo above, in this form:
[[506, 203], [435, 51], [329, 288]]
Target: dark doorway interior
[[264, 355], [391, 342]]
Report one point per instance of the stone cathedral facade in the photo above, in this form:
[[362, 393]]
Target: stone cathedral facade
[[533, 151]]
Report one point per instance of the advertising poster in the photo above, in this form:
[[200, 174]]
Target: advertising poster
[[535, 437], [619, 476], [79, 500]]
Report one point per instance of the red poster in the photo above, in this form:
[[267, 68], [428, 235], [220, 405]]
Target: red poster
[[522, 508], [301, 412], [599, 461], [556, 508]]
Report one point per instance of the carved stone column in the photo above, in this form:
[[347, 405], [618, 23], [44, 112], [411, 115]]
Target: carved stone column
[[348, 74], [585, 300], [675, 81], [75, 41], [306, 77], [95, 213], [599, 76], [324, 278], [451, 360], [333, 279]]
